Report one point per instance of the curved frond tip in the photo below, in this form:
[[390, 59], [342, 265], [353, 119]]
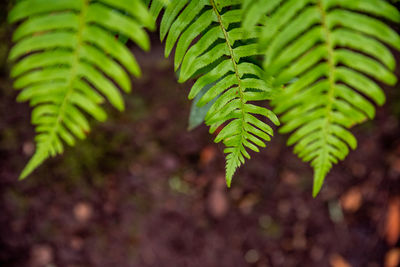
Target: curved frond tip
[[68, 60], [329, 56], [210, 47]]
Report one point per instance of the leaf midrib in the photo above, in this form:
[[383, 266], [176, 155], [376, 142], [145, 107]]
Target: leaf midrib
[[45, 147], [237, 75], [331, 91]]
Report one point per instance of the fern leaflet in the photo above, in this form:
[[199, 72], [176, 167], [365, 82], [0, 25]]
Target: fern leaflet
[[328, 54], [66, 49], [209, 47]]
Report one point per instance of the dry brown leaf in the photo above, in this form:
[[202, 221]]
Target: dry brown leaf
[[392, 258], [337, 260], [207, 155], [351, 201], [392, 230]]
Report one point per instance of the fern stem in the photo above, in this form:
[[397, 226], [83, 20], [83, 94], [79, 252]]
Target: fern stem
[[240, 90], [75, 61], [43, 151], [320, 173]]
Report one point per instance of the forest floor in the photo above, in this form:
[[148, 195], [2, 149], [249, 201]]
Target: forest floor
[[142, 191]]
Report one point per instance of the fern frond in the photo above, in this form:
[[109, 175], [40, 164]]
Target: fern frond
[[68, 60], [329, 55], [209, 47]]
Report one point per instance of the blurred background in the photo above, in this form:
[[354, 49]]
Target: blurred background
[[142, 191]]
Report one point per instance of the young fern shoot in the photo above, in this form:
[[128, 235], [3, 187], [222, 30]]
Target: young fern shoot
[[328, 55], [68, 60], [209, 47]]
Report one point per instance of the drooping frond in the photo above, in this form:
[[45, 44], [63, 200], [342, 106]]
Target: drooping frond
[[329, 55], [209, 47], [68, 60]]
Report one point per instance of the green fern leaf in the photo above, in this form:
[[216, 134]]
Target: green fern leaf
[[257, 12], [156, 6], [68, 60], [210, 47], [329, 56]]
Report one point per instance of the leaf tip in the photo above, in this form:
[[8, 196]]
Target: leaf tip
[[36, 160], [319, 177], [230, 171], [228, 181]]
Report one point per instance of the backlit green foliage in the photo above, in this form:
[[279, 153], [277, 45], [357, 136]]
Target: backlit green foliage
[[329, 56], [67, 60], [210, 47], [320, 62]]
